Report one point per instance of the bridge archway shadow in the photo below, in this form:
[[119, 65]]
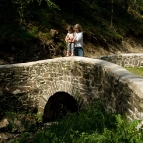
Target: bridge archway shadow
[[58, 106]]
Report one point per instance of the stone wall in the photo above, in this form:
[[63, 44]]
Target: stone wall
[[84, 78], [125, 60]]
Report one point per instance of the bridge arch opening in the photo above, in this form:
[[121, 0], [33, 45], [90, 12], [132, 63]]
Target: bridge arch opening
[[58, 106]]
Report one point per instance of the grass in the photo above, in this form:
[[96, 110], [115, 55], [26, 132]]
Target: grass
[[92, 124], [136, 70]]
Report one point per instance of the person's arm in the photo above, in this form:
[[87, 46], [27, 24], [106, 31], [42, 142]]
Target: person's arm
[[74, 37], [67, 38], [79, 37]]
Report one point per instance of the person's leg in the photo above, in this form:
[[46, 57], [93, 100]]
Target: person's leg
[[75, 51], [72, 49], [68, 49], [80, 52]]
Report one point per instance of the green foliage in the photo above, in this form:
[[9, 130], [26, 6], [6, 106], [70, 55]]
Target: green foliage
[[51, 4], [92, 124], [135, 70], [23, 4], [95, 16], [126, 132], [26, 24], [22, 122], [25, 138], [33, 31]]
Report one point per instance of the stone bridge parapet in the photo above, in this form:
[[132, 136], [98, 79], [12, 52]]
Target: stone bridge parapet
[[85, 79], [125, 60]]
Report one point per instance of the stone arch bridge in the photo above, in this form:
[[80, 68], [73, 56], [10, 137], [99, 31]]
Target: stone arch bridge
[[85, 79]]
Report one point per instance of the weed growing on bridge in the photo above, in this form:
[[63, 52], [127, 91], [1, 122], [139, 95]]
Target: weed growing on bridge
[[92, 124]]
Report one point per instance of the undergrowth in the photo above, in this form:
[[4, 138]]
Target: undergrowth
[[92, 124]]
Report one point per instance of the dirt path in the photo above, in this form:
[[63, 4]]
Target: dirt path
[[129, 45]]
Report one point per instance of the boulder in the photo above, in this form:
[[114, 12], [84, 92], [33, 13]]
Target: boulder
[[4, 123], [54, 34]]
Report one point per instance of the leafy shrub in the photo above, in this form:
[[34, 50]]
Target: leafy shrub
[[92, 124]]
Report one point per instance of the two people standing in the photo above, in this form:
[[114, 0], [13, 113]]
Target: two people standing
[[74, 39]]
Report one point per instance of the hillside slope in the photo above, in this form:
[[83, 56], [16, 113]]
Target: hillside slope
[[108, 28]]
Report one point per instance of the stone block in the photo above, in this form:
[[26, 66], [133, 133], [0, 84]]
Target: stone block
[[89, 78]]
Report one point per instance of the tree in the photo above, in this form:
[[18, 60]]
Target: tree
[[23, 4]]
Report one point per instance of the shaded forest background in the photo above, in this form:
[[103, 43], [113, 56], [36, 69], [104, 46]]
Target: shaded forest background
[[109, 27]]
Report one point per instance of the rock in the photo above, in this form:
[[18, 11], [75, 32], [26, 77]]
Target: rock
[[4, 136], [4, 123], [54, 34], [16, 91], [50, 123], [49, 42], [18, 126]]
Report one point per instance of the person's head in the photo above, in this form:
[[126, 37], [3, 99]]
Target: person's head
[[70, 29], [77, 28]]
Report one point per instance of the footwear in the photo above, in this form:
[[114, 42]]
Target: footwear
[[72, 54], [67, 53]]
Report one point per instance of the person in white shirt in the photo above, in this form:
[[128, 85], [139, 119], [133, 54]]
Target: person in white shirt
[[70, 37], [78, 48]]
